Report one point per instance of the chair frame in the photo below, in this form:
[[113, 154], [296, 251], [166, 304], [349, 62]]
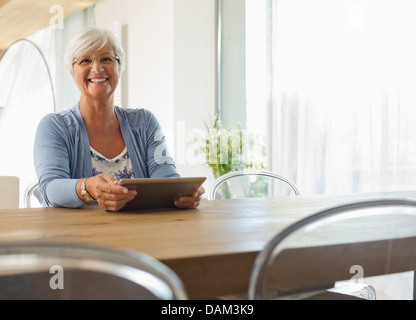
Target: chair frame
[[139, 268], [29, 192], [216, 184], [260, 264]]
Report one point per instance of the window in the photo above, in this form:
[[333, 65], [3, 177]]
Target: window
[[332, 85]]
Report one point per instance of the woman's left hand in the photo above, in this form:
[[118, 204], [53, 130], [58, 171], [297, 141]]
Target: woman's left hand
[[190, 202]]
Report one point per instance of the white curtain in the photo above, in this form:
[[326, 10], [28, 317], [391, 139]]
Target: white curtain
[[342, 95], [342, 100], [26, 94]]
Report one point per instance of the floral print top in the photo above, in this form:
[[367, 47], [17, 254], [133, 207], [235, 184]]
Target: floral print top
[[119, 167]]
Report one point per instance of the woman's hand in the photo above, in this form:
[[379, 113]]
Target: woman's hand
[[109, 195], [190, 202]]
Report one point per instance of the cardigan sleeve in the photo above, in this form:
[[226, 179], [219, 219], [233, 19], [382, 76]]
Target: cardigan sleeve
[[52, 163], [160, 162], [146, 144]]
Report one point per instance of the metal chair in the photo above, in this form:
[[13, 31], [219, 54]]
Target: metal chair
[[9, 192], [33, 197], [67, 271], [250, 183], [341, 252]]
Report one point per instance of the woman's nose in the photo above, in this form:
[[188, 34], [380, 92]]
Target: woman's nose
[[96, 65]]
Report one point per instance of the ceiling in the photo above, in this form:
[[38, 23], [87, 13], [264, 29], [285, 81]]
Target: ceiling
[[22, 18]]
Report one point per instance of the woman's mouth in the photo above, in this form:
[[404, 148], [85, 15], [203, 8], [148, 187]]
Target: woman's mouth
[[97, 80]]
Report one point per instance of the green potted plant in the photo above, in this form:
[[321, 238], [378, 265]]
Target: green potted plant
[[227, 149]]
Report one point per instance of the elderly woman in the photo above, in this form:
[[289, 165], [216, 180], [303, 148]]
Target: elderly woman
[[81, 153]]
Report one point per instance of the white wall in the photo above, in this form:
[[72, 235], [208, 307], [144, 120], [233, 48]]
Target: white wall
[[194, 76], [171, 64], [148, 41]]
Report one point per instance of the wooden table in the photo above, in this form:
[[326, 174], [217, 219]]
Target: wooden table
[[212, 249]]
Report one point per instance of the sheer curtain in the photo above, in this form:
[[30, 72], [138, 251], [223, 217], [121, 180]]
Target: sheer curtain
[[342, 99], [26, 94], [342, 94]]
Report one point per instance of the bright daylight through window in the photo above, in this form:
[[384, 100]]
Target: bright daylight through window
[[332, 85]]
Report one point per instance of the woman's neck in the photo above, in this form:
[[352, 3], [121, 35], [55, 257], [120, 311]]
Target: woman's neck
[[97, 112]]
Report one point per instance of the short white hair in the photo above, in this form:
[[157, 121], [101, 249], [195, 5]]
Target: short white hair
[[89, 39]]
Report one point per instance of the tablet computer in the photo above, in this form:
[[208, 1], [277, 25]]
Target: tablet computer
[[159, 193]]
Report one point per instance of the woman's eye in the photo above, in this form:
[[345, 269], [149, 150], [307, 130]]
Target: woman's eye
[[85, 61]]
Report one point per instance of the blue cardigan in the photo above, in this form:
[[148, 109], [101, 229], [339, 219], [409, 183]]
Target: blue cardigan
[[62, 152]]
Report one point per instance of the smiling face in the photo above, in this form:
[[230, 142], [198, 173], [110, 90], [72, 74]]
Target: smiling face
[[97, 79]]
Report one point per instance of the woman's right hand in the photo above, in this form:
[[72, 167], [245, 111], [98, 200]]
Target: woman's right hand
[[109, 195]]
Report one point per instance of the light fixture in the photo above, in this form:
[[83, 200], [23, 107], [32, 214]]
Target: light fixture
[[3, 53]]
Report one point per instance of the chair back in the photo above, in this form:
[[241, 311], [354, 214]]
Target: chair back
[[366, 243], [64, 271], [33, 197], [9, 192], [251, 184]]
